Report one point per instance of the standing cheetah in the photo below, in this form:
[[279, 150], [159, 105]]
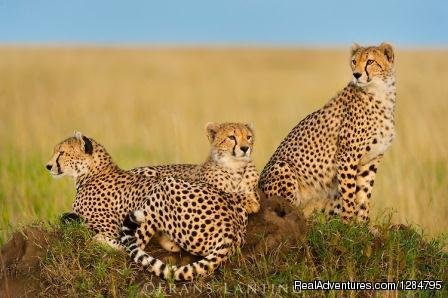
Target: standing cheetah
[[198, 217], [229, 168], [331, 157]]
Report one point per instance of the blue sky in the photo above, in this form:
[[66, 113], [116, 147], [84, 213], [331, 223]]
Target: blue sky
[[227, 22]]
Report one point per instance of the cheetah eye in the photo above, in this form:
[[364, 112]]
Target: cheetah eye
[[354, 62], [370, 61], [249, 137], [232, 138]]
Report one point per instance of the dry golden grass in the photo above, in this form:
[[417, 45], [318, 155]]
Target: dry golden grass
[[149, 106]]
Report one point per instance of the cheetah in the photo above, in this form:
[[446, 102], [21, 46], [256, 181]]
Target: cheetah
[[330, 159], [229, 167], [198, 217]]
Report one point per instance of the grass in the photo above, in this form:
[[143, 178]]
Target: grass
[[76, 266]]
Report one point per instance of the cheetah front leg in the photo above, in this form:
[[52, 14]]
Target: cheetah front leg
[[346, 176], [251, 201], [365, 179], [248, 190], [107, 229], [114, 243]]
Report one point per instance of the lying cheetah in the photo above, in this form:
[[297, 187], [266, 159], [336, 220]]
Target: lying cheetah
[[196, 216], [229, 167], [331, 157]]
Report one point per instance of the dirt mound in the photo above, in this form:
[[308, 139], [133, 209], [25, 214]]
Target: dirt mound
[[19, 262], [276, 225]]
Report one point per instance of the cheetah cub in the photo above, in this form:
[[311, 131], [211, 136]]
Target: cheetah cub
[[229, 167], [198, 217], [329, 160]]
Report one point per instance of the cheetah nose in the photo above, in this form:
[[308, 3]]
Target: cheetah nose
[[357, 75], [244, 149], [48, 166]]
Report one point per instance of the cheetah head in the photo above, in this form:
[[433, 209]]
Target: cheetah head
[[74, 157], [231, 143], [372, 65]]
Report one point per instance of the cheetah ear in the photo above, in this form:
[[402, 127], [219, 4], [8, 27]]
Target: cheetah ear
[[249, 126], [388, 51], [212, 129], [354, 48], [78, 135], [86, 143]]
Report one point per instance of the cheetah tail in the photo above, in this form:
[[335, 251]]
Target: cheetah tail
[[188, 272], [203, 267], [184, 273]]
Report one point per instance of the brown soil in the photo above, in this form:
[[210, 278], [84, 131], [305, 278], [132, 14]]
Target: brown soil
[[19, 262], [276, 225]]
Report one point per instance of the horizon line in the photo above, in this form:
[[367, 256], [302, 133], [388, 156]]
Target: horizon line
[[209, 45]]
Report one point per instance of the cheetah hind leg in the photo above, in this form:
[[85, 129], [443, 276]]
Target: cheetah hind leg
[[188, 272], [145, 235], [167, 243], [281, 181]]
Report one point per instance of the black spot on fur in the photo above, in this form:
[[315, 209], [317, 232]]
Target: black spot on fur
[[365, 173]]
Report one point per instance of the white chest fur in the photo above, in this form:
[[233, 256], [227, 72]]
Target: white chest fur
[[230, 162], [384, 107], [378, 147]]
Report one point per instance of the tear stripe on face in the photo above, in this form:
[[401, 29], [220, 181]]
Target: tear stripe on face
[[58, 166]]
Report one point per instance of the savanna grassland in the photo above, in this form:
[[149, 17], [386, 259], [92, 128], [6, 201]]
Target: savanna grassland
[[150, 106]]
